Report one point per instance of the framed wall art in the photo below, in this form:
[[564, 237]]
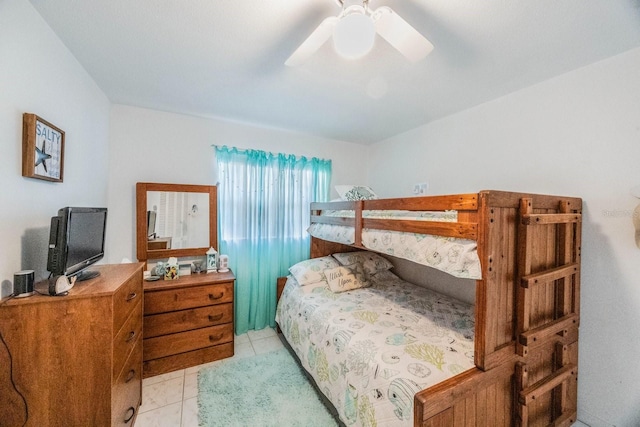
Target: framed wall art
[[42, 149]]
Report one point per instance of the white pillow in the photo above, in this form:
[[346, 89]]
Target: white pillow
[[371, 261], [355, 192], [312, 270], [346, 277]]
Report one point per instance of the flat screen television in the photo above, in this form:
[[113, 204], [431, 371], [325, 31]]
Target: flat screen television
[[76, 240], [151, 225]]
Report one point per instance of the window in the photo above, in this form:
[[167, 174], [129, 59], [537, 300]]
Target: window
[[263, 205]]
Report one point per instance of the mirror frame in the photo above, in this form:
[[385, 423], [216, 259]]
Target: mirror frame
[[143, 253]]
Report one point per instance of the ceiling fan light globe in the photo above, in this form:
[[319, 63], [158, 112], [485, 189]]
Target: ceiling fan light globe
[[353, 35]]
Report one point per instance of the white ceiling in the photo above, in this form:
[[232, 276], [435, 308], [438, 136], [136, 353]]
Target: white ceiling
[[225, 58]]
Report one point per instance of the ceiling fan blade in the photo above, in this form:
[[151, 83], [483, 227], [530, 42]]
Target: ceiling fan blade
[[401, 35], [319, 36]]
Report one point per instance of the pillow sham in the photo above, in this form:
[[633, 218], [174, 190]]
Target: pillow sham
[[346, 278], [312, 270], [371, 261], [355, 192]]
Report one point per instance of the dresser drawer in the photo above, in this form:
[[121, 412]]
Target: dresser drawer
[[125, 300], [186, 320], [127, 338], [154, 367], [168, 345], [188, 297], [127, 389]]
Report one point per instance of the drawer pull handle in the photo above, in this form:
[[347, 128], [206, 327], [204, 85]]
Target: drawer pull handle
[[131, 375], [220, 295], [132, 335], [131, 296], [129, 414], [216, 338], [215, 318]]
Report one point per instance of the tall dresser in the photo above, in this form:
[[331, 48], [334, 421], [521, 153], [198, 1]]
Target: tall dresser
[[187, 321], [75, 359]]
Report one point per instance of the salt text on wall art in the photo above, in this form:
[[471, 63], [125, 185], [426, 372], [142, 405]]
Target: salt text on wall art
[[42, 149]]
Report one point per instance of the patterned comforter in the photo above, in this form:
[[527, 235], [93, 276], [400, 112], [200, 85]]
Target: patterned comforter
[[458, 257], [371, 349]]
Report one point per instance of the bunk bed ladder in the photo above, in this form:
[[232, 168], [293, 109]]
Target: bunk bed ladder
[[559, 327]]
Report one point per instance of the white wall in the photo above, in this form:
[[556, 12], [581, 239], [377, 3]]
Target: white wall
[[576, 135], [39, 75], [154, 146]]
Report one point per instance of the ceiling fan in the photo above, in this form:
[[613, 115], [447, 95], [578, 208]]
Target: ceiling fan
[[354, 31]]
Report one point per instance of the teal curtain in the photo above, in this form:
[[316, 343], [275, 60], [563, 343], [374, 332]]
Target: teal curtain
[[263, 210]]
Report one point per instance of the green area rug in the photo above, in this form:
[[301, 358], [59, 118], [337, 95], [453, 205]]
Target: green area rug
[[264, 390]]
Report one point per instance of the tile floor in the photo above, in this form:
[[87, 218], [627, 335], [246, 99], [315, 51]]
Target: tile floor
[[171, 400]]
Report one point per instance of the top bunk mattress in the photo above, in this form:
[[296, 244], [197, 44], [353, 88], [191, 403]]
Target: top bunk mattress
[[455, 256]]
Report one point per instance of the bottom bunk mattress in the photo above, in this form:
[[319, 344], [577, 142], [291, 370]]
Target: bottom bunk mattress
[[371, 349]]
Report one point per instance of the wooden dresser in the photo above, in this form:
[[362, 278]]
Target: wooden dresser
[[76, 359], [187, 321], [159, 243]]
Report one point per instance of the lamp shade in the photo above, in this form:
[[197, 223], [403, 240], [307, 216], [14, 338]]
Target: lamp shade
[[353, 35]]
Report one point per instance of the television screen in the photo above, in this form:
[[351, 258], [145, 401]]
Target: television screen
[[151, 224], [76, 241]]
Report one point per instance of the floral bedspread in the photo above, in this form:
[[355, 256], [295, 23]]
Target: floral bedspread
[[458, 257], [371, 349]]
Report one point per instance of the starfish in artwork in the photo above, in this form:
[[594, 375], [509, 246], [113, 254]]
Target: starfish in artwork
[[42, 156]]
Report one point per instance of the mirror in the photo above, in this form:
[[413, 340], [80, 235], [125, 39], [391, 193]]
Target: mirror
[[175, 220]]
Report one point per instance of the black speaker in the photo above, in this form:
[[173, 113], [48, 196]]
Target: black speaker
[[23, 283]]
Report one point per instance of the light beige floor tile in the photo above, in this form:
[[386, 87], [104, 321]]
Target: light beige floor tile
[[240, 339], [263, 333], [266, 345], [190, 412], [190, 386], [165, 416], [243, 350], [161, 394]]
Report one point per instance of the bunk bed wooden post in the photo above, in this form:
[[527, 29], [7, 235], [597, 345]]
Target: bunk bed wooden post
[[561, 398], [496, 291], [521, 415], [565, 255], [358, 223], [525, 242], [481, 320]]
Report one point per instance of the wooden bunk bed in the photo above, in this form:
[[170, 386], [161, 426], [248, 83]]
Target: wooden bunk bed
[[527, 307]]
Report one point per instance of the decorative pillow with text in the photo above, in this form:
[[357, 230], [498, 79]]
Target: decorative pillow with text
[[346, 278]]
